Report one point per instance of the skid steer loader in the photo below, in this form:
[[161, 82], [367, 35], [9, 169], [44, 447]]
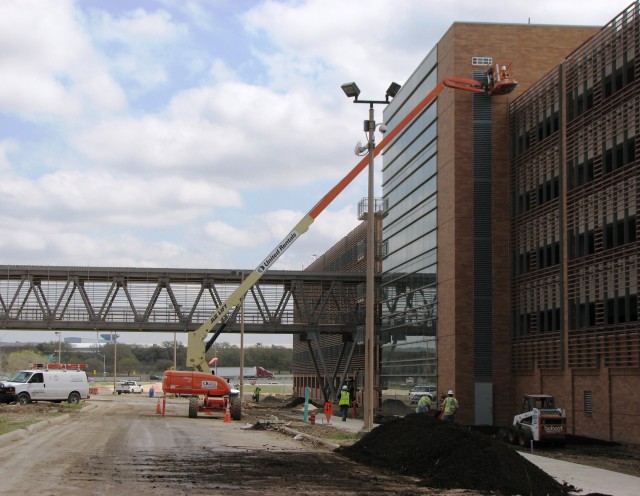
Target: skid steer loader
[[540, 421]]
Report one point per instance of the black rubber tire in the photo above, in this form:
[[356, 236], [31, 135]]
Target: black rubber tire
[[74, 398], [193, 406], [24, 399], [513, 435], [119, 393], [236, 409], [524, 437]]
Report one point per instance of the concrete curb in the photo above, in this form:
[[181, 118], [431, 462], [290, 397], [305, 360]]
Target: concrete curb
[[316, 440], [19, 434]]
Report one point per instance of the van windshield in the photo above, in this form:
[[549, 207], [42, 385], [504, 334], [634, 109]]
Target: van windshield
[[21, 376]]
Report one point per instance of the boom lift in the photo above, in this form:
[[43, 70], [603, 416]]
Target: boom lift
[[215, 390]]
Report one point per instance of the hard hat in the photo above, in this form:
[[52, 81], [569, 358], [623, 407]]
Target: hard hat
[[345, 387], [450, 392]]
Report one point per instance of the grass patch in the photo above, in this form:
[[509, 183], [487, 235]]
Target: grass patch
[[14, 417], [345, 436], [9, 425], [280, 389]]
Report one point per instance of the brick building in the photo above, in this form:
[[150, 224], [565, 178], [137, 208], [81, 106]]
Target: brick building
[[511, 252], [446, 278], [574, 236]]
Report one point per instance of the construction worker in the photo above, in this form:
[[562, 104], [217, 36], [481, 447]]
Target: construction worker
[[345, 401], [450, 406], [424, 405], [256, 394]]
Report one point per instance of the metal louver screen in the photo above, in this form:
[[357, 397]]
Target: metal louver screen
[[588, 404], [482, 239]]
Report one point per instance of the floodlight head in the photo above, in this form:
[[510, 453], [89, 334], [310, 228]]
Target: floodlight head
[[351, 90], [393, 89]]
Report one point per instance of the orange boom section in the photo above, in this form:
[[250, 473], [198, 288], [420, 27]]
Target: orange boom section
[[194, 383]]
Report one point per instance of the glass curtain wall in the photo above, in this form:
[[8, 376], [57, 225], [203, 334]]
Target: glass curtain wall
[[409, 283]]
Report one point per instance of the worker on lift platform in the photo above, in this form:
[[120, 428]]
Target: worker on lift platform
[[499, 80]]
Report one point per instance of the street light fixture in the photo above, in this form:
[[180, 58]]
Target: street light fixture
[[352, 91]]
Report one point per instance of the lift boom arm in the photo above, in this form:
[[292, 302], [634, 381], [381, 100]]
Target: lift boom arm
[[196, 348]]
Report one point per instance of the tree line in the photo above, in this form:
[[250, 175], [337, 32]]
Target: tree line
[[141, 360]]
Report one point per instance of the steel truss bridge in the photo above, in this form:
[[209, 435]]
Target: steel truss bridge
[[179, 300]]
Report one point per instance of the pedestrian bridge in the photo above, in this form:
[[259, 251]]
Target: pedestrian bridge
[[176, 300]]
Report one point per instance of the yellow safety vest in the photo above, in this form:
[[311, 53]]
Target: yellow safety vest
[[450, 405]]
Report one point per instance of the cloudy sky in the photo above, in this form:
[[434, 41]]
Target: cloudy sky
[[196, 133]]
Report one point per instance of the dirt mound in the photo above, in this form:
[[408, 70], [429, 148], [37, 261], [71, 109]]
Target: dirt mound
[[449, 456], [300, 401], [272, 400]]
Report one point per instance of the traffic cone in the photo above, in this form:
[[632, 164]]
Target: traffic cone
[[227, 414], [158, 408]]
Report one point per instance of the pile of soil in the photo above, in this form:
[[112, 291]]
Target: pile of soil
[[300, 401], [450, 456]]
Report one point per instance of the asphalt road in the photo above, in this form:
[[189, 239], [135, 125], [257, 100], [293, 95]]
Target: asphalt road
[[118, 445]]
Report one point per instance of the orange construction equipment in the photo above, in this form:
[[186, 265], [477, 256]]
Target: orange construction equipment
[[227, 414]]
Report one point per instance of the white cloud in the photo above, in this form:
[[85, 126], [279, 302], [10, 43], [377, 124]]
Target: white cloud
[[262, 139], [229, 236], [48, 67], [90, 200], [6, 146], [141, 43]]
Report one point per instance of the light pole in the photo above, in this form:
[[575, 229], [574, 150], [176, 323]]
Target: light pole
[[175, 350], [104, 364], [352, 91], [59, 334], [114, 338]]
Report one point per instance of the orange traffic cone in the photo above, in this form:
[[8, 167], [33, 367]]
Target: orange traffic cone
[[158, 408], [227, 414]]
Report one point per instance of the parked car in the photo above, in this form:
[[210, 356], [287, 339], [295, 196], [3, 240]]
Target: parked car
[[155, 378], [129, 387], [418, 392]]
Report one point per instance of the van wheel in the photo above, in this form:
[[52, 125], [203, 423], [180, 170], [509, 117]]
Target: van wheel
[[24, 399], [74, 398]]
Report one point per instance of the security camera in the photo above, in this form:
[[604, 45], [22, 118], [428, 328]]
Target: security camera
[[382, 128], [360, 148]]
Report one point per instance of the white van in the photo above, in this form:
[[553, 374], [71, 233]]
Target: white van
[[45, 385]]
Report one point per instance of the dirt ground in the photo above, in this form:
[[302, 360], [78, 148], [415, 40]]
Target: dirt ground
[[119, 443]]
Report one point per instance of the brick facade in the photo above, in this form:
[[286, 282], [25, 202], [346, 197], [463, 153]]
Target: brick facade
[[533, 50]]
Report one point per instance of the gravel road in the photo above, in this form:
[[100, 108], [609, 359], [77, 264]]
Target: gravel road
[[119, 445]]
